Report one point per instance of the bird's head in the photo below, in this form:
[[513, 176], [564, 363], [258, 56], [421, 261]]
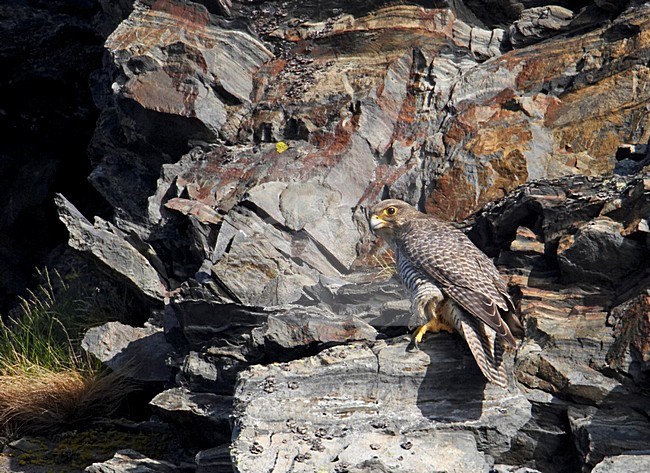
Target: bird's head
[[389, 215]]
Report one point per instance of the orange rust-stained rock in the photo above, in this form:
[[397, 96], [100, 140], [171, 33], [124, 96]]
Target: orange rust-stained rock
[[451, 199], [373, 101], [458, 131]]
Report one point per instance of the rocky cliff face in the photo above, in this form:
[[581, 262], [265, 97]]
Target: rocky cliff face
[[425, 104], [238, 145]]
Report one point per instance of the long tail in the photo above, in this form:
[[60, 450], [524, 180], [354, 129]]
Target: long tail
[[483, 342]]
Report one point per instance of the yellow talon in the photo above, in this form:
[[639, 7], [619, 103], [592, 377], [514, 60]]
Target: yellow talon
[[433, 325], [420, 333]]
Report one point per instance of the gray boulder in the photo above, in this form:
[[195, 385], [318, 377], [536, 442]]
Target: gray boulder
[[140, 353]]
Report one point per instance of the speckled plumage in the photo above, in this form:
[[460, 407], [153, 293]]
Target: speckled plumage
[[452, 280]]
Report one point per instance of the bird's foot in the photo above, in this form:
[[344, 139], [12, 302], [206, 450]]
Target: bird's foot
[[416, 338], [434, 325], [419, 333]]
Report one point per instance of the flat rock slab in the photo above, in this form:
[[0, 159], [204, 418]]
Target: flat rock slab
[[130, 461], [374, 406], [625, 464]]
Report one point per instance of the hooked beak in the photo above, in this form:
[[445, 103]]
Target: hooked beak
[[376, 222]]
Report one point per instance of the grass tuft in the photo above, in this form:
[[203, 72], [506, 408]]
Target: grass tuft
[[45, 401], [46, 381]]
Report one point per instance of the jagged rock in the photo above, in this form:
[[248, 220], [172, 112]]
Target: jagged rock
[[483, 43], [557, 207], [255, 269], [412, 120], [599, 433], [564, 325], [563, 364], [352, 136], [361, 402], [214, 342], [581, 254], [381, 302], [185, 46], [624, 464], [536, 24], [203, 417], [571, 345], [222, 339], [132, 462], [558, 375], [201, 372], [518, 113], [111, 246], [301, 328], [544, 442], [631, 350], [191, 80], [572, 320], [201, 321], [138, 352], [238, 155]]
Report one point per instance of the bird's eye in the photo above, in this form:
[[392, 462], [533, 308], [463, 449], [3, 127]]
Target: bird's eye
[[391, 211]]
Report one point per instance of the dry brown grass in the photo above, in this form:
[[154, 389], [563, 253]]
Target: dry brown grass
[[46, 381], [386, 264], [42, 401]]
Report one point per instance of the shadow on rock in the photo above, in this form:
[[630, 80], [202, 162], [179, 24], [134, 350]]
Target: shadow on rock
[[453, 388], [454, 396]]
